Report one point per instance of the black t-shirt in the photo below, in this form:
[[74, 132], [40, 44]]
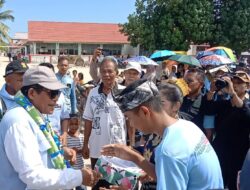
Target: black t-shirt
[[193, 110], [232, 128]]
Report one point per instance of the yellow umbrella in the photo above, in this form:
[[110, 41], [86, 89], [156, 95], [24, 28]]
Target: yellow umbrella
[[180, 52]]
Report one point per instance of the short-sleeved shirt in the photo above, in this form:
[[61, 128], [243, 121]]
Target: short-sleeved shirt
[[69, 93], [193, 110], [108, 122], [60, 113], [185, 159]]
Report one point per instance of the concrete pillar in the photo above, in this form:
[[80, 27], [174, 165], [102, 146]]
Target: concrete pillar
[[57, 49], [34, 47], [25, 50], [123, 50], [79, 49]]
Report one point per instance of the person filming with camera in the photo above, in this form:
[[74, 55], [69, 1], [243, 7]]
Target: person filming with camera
[[232, 118]]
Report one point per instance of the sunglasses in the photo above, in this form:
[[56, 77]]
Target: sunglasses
[[52, 93]]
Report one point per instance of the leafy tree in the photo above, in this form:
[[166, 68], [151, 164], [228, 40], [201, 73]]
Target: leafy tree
[[170, 24], [4, 29], [233, 27], [174, 24]]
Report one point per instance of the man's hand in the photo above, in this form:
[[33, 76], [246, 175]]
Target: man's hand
[[70, 154], [90, 177], [229, 89], [85, 152], [119, 150]]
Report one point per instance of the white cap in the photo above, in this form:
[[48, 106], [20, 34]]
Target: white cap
[[133, 65]]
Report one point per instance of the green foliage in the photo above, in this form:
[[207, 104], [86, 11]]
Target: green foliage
[[233, 30], [169, 24], [174, 24], [4, 29]]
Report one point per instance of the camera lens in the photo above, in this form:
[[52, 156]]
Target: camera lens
[[220, 84]]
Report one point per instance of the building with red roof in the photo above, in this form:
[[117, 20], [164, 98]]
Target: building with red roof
[[72, 38]]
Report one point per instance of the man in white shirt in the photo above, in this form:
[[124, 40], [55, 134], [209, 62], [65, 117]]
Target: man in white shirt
[[25, 149], [104, 121]]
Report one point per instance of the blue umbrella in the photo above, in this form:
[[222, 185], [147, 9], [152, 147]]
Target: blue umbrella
[[142, 60], [162, 55], [204, 54]]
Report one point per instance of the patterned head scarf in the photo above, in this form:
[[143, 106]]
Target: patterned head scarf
[[135, 94]]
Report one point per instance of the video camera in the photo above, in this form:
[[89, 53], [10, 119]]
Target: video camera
[[220, 83]]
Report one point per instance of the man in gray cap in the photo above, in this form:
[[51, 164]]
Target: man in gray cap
[[13, 82], [30, 153], [184, 159]]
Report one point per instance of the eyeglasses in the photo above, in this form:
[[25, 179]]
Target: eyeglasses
[[52, 93]]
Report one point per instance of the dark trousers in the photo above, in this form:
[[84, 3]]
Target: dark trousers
[[101, 182], [231, 160]]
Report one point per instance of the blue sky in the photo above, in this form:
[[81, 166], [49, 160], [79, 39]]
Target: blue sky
[[98, 11]]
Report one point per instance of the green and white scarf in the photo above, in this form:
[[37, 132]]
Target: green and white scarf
[[55, 152]]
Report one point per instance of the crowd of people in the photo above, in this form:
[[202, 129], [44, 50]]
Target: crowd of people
[[185, 127]]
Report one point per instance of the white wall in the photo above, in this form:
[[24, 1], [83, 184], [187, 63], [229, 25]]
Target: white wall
[[128, 49]]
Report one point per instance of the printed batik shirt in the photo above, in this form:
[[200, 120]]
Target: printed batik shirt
[[108, 122]]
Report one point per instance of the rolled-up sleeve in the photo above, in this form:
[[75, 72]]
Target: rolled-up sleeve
[[27, 154]]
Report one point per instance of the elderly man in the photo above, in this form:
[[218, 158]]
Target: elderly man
[[231, 141], [184, 159], [132, 72], [30, 152], [104, 121], [13, 83]]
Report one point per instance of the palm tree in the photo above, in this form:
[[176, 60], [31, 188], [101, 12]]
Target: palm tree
[[4, 29]]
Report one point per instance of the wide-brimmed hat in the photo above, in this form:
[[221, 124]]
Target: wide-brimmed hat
[[243, 76], [43, 76], [135, 94]]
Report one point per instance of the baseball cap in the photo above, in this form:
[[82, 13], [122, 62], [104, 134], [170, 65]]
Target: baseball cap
[[43, 76], [16, 67], [133, 65], [243, 76], [135, 94]]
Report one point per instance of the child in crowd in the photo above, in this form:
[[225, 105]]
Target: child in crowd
[[75, 141], [75, 76], [80, 78]]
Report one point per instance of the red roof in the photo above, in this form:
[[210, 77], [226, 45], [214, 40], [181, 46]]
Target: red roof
[[73, 32]]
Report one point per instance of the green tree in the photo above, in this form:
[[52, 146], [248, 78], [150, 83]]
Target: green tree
[[4, 29], [170, 24], [233, 28]]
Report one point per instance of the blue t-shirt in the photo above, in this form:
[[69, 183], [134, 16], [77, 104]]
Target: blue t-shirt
[[186, 160], [69, 93]]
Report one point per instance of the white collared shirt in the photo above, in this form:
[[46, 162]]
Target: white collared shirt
[[108, 122], [23, 155]]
